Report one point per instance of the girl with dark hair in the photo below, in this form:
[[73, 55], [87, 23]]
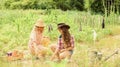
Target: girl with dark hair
[[65, 46]]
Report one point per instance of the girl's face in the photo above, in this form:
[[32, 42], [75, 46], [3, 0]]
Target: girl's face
[[60, 30], [39, 29]]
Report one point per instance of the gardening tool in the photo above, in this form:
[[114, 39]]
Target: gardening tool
[[116, 52], [98, 55]]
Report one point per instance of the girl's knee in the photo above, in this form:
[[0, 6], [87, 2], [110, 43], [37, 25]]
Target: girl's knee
[[65, 54], [53, 47]]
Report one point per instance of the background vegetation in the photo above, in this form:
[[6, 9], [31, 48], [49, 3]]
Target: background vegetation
[[83, 5], [17, 18]]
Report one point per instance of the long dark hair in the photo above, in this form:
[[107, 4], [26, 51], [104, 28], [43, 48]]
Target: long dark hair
[[66, 37]]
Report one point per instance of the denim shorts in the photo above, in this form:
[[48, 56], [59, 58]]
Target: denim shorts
[[71, 52]]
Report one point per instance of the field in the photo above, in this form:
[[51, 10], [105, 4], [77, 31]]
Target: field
[[16, 25]]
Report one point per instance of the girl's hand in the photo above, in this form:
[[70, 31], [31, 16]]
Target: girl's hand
[[52, 58], [57, 60], [55, 54]]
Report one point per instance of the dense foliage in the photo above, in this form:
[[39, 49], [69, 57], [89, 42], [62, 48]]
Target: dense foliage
[[100, 6]]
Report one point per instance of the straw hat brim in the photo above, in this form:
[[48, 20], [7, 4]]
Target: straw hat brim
[[40, 23]]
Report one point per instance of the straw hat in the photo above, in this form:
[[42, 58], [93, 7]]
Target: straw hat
[[40, 23]]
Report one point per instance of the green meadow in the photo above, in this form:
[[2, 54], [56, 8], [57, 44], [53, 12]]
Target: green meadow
[[16, 25]]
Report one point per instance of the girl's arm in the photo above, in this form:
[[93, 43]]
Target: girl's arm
[[70, 48], [67, 49], [56, 53]]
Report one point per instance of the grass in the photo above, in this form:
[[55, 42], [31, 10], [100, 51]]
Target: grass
[[16, 25]]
